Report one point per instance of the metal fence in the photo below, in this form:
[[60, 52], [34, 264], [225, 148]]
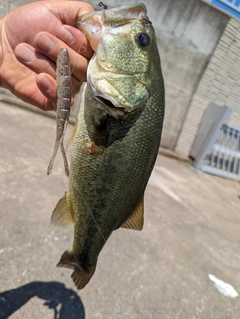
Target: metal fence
[[216, 148], [224, 159]]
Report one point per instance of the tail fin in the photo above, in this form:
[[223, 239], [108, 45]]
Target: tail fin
[[80, 276]]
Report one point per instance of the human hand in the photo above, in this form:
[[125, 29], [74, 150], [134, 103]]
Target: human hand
[[31, 37]]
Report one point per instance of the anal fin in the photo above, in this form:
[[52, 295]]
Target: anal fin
[[136, 219], [62, 215]]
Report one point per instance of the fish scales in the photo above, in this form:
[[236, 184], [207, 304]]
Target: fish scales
[[117, 135]]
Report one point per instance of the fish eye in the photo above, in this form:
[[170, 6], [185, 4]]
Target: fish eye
[[142, 39]]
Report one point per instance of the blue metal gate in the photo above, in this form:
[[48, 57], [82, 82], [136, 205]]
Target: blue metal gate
[[230, 7]]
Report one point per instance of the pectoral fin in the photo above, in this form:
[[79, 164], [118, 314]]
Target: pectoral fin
[[135, 220], [62, 215]]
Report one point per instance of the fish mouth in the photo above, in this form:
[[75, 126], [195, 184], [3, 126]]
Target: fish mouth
[[101, 85], [112, 110], [92, 24], [106, 103]]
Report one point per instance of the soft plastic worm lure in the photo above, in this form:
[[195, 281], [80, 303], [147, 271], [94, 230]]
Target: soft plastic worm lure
[[63, 106]]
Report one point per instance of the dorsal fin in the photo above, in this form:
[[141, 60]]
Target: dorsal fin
[[135, 220], [62, 215]]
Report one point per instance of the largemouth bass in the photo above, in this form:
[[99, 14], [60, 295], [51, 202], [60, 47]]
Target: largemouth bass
[[117, 135]]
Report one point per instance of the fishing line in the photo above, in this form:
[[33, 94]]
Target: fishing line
[[88, 208], [93, 217]]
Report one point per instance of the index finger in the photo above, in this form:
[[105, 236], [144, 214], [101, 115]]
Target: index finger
[[68, 11]]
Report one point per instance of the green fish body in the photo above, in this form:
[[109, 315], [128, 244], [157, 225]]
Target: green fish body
[[117, 135]]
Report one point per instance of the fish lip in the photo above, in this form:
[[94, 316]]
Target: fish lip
[[105, 101], [135, 11], [111, 105], [102, 20], [113, 111], [110, 108]]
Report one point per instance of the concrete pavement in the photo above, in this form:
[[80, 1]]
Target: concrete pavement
[[192, 229]]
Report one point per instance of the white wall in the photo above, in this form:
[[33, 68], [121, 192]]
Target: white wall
[[219, 84]]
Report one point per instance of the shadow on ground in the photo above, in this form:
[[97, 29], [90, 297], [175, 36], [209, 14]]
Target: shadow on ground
[[65, 302]]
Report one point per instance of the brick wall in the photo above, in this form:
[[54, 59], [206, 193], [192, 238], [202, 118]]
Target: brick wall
[[220, 84]]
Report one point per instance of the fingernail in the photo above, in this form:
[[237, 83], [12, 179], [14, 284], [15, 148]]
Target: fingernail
[[44, 43], [24, 53], [44, 82], [64, 34]]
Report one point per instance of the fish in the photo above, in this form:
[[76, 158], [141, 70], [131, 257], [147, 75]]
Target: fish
[[117, 135]]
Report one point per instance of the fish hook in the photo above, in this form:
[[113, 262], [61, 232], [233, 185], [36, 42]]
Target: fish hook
[[101, 4]]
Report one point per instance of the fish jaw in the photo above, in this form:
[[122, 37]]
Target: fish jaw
[[110, 91], [111, 79]]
